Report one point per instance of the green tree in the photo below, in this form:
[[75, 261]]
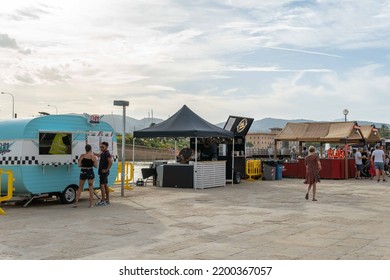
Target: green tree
[[384, 131]]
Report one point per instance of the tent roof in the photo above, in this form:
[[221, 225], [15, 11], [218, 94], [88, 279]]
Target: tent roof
[[184, 123], [331, 132]]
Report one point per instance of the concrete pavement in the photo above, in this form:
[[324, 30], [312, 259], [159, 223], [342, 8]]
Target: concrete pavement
[[252, 220]]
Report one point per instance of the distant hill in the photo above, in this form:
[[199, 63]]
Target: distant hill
[[265, 124], [262, 125], [116, 121]]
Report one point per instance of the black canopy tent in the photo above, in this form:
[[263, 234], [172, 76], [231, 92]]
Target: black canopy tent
[[184, 123]]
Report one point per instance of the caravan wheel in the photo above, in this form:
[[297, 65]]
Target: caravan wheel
[[68, 195]]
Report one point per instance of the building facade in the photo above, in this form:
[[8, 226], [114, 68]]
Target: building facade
[[262, 143]]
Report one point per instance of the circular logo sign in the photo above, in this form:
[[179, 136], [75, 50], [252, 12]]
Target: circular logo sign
[[242, 125]]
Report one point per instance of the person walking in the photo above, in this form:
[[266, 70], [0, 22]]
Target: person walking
[[105, 163], [313, 167], [378, 157], [86, 161]]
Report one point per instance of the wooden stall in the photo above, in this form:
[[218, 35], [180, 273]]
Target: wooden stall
[[341, 133]]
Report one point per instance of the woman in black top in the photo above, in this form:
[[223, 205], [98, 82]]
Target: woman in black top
[[86, 161]]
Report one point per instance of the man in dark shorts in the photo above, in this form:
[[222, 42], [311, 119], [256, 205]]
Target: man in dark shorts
[[105, 164]]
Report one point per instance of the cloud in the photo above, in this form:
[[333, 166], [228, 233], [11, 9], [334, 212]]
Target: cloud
[[24, 78], [161, 88], [10, 43], [304, 51], [7, 42], [52, 74], [273, 69], [29, 13]]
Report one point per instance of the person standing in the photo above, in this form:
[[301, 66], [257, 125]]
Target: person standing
[[378, 157], [305, 153], [358, 163], [313, 167], [86, 161], [293, 154], [184, 155], [105, 164]]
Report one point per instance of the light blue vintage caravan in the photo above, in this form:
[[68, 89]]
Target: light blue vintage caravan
[[43, 153]]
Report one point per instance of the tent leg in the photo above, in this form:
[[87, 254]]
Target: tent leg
[[196, 161], [133, 159], [233, 163]]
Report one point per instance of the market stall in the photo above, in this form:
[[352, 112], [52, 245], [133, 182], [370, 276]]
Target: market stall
[[340, 133], [185, 123]]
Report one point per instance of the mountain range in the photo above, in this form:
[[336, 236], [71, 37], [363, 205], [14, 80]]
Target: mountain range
[[263, 125]]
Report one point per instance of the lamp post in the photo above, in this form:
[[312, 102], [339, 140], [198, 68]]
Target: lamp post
[[124, 104], [13, 103], [345, 112], [54, 107]]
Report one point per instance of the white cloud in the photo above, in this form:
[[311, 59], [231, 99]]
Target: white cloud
[[161, 88]]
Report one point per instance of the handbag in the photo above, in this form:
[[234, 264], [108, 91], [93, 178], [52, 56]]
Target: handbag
[[318, 177]]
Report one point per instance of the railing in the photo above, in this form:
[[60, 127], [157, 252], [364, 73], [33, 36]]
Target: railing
[[10, 187], [253, 169], [129, 174]]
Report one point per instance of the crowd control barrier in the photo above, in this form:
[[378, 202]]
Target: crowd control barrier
[[129, 174], [10, 187], [253, 169]]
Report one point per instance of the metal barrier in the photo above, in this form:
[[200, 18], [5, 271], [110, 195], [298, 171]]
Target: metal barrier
[[129, 174], [10, 187], [253, 169]]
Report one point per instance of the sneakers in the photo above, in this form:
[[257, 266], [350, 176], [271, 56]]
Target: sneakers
[[101, 203]]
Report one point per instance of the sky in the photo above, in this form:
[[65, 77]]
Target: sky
[[280, 59]]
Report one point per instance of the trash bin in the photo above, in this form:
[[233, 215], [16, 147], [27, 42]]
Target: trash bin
[[269, 169], [279, 170]]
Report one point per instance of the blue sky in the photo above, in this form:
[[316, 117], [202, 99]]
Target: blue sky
[[281, 59]]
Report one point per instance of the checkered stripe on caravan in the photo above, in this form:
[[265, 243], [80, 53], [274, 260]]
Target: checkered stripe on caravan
[[18, 160], [27, 160]]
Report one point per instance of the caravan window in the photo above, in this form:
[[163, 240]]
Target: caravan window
[[55, 143]]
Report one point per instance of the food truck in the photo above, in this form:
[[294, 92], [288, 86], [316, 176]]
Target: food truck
[[43, 153]]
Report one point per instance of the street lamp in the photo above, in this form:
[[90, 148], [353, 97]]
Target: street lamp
[[54, 107], [13, 103], [123, 103], [345, 112]]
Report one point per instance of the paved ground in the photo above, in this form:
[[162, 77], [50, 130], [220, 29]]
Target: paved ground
[[253, 220]]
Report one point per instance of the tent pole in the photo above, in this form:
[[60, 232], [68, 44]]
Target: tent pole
[[175, 155], [346, 158], [233, 163], [196, 161], [133, 160]]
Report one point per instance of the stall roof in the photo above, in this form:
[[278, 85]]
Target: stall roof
[[370, 134], [184, 123], [330, 132]]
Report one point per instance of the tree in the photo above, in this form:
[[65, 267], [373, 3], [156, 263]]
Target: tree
[[384, 131]]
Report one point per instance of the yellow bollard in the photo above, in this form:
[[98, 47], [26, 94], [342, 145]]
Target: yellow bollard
[[10, 188]]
